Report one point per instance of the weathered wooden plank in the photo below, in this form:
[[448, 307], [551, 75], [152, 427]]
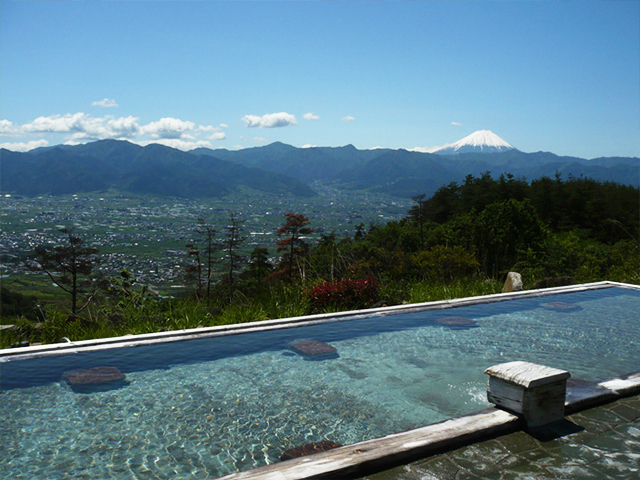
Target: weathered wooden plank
[[379, 454], [385, 452]]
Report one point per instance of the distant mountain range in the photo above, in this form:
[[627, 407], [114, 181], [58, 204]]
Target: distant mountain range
[[154, 169], [280, 168]]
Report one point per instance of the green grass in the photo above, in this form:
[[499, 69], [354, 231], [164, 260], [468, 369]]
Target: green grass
[[142, 313], [432, 291], [37, 285]]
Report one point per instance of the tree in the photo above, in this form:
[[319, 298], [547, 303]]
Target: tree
[[329, 258], [233, 239], [73, 263], [193, 271], [259, 267], [504, 229], [202, 269], [417, 214], [293, 246], [443, 204]]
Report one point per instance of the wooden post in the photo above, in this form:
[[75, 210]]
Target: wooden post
[[534, 391]]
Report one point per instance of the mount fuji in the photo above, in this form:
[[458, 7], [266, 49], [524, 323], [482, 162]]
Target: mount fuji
[[482, 141]]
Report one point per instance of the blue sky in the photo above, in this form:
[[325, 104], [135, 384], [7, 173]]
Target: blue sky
[[544, 75]]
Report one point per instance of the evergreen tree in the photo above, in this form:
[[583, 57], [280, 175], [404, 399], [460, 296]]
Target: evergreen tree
[[416, 213], [204, 258], [259, 267], [233, 240], [69, 266], [293, 246]]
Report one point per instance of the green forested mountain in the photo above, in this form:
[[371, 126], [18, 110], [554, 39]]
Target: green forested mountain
[[406, 173], [278, 168], [153, 169]]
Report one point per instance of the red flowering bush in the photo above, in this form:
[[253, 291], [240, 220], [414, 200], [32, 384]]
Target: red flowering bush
[[346, 293]]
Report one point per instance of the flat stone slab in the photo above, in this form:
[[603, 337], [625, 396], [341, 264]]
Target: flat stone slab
[[94, 376], [314, 347], [526, 374], [309, 449]]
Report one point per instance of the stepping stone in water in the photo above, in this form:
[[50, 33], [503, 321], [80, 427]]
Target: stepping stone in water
[[315, 348], [95, 379], [561, 306], [308, 449], [456, 322]]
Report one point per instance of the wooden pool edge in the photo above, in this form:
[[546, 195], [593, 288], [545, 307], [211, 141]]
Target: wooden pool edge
[[353, 461], [23, 353]]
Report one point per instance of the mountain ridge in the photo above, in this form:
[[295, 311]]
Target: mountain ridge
[[278, 168], [154, 169]]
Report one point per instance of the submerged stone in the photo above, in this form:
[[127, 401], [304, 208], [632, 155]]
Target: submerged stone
[[561, 306], [314, 347], [96, 378], [308, 449], [456, 322]]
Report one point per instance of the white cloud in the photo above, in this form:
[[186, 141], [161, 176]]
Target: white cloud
[[177, 143], [425, 149], [216, 133], [123, 126], [224, 125], [270, 120], [217, 136], [457, 124], [348, 118], [308, 145], [8, 128], [254, 139], [80, 127], [24, 146], [60, 124], [105, 102], [310, 116], [170, 128]]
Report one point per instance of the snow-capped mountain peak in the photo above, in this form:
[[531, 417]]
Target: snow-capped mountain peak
[[483, 141]]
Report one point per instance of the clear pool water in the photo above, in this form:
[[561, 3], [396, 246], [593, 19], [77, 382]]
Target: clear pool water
[[208, 407]]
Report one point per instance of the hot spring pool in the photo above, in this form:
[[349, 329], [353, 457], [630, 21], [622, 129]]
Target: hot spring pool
[[208, 407]]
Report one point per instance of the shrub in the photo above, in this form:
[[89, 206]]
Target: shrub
[[343, 294], [445, 263]]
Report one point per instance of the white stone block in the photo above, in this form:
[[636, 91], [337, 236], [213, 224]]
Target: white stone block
[[534, 391]]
